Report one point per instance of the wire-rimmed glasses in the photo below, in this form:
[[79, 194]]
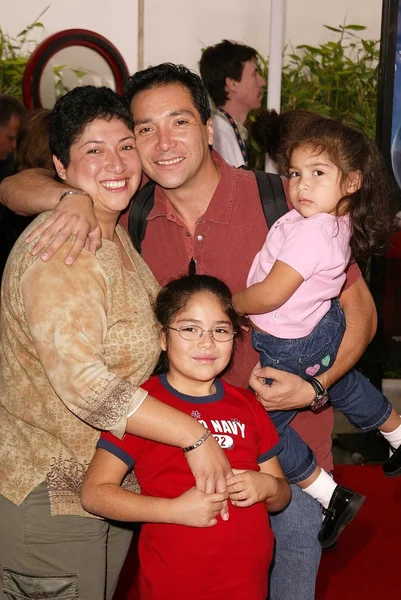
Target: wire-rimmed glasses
[[191, 333]]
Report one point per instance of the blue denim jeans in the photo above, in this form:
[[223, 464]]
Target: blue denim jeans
[[359, 400], [297, 549]]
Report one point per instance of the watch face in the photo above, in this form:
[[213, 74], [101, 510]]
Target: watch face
[[320, 401]]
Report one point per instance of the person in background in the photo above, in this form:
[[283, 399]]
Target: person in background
[[12, 113], [33, 142], [230, 73], [271, 130], [32, 152], [185, 550]]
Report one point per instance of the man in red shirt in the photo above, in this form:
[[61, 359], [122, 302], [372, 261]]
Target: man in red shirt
[[209, 214]]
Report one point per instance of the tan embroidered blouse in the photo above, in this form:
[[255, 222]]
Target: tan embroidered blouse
[[76, 342]]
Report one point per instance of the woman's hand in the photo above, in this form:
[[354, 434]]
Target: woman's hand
[[73, 215], [210, 468], [249, 487], [197, 509], [287, 392]]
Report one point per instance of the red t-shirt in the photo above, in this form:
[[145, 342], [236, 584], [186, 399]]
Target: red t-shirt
[[227, 238], [231, 559]]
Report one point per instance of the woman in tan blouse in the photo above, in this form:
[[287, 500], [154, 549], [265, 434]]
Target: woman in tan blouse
[[76, 344]]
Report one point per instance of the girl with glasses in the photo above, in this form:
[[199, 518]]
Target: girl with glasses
[[185, 548]]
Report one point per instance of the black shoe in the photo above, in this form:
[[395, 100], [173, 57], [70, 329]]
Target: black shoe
[[392, 466], [330, 548], [343, 507]]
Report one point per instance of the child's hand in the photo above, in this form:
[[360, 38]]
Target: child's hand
[[249, 487], [197, 509]]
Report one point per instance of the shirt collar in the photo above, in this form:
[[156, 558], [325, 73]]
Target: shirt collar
[[221, 204]]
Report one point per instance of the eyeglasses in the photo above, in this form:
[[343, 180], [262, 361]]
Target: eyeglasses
[[194, 332]]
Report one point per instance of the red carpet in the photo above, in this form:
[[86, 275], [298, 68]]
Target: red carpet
[[366, 563]]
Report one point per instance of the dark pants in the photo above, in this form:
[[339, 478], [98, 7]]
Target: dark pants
[[359, 400]]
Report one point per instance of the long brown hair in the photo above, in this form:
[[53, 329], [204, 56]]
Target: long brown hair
[[372, 207]]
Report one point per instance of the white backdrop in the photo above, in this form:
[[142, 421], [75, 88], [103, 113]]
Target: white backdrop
[[176, 30]]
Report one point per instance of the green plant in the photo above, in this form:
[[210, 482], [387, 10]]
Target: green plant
[[14, 56], [337, 79]]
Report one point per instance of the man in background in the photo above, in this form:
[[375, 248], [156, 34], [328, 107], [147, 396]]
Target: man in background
[[231, 76], [11, 114]]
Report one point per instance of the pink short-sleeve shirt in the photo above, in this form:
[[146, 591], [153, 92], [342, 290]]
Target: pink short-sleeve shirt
[[318, 249]]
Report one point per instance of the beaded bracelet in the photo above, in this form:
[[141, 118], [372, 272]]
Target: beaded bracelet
[[198, 443], [72, 193]]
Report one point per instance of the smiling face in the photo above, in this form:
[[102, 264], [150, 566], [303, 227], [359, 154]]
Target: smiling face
[[172, 142], [105, 164], [316, 184], [193, 365]]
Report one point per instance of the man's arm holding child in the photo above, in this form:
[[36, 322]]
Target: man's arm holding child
[[290, 391], [34, 191]]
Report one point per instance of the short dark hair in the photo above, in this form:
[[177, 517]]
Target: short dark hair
[[173, 298], [166, 74], [223, 60], [77, 109], [10, 106]]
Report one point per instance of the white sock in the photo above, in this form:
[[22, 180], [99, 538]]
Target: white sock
[[393, 437], [322, 488]]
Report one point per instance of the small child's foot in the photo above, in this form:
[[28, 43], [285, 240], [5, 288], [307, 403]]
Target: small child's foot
[[344, 506], [392, 466]]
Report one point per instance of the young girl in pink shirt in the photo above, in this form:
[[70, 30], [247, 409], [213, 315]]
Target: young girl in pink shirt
[[343, 208]]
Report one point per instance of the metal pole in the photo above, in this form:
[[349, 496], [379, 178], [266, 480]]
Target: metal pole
[[141, 20], [277, 22]]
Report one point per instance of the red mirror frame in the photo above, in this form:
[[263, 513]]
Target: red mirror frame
[[64, 39]]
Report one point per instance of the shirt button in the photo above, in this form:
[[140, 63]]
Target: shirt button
[[200, 238], [188, 234]]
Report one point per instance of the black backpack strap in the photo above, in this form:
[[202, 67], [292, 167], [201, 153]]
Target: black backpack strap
[[142, 204], [272, 196]]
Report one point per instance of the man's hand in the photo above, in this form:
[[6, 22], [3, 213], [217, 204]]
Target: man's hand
[[197, 509], [73, 215], [249, 487], [288, 391]]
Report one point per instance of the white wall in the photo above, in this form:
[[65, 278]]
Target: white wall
[[176, 30]]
